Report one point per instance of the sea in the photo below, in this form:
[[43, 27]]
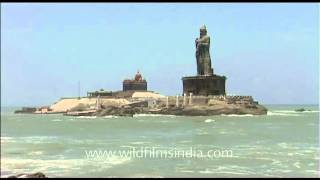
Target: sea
[[283, 143]]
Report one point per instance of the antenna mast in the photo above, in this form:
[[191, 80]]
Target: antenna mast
[[78, 89]]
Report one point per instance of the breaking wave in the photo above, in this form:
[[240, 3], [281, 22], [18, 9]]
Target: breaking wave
[[277, 113], [209, 120], [237, 115], [153, 115], [289, 112], [63, 167], [86, 117], [110, 116]]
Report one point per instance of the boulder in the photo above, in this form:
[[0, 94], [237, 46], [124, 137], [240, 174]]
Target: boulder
[[32, 175]]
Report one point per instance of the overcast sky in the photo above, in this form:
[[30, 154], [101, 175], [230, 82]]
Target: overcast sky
[[269, 51]]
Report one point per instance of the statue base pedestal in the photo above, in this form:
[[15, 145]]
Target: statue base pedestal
[[204, 85]]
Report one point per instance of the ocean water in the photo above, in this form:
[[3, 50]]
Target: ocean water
[[282, 143]]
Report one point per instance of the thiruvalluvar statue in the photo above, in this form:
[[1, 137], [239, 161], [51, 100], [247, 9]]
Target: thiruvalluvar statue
[[203, 53]]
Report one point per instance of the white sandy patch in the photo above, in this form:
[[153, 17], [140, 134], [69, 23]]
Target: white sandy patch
[[66, 104], [147, 95]]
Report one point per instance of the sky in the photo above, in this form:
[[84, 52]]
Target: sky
[[269, 51]]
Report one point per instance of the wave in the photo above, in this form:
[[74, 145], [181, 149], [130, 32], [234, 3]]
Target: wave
[[138, 142], [202, 133], [209, 120], [289, 112], [36, 153], [153, 115], [207, 172], [234, 170], [274, 113], [186, 171], [293, 111], [231, 170], [110, 116], [30, 139], [7, 139], [86, 117], [237, 115], [62, 167]]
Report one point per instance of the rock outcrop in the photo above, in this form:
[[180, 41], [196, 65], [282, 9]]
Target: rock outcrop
[[301, 110], [32, 175], [184, 111], [213, 110]]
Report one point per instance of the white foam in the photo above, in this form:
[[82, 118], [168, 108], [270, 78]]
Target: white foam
[[110, 116], [36, 153], [139, 142], [153, 115], [87, 117], [233, 169], [285, 145], [187, 171], [206, 172], [237, 115], [202, 133], [59, 166], [164, 121], [289, 112], [224, 132], [7, 139], [57, 120], [209, 120], [297, 165], [29, 139], [275, 113]]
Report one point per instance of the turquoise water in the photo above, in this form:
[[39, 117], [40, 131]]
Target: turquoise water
[[283, 143]]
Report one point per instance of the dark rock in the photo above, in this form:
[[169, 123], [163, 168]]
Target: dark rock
[[119, 111], [301, 110], [26, 110], [80, 107], [213, 110], [32, 175]]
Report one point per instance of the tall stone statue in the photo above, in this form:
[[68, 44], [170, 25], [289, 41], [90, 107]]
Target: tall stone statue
[[205, 83], [203, 54]]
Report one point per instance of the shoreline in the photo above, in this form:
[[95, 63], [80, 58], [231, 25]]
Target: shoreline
[[151, 104]]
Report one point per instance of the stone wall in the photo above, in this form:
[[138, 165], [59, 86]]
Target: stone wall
[[207, 100], [240, 100]]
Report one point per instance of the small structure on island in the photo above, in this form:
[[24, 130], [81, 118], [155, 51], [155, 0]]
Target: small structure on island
[[100, 93], [206, 82], [136, 84]]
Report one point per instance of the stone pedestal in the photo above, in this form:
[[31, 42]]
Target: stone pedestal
[[204, 85]]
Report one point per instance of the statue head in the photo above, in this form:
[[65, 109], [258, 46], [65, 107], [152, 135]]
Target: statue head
[[203, 31]]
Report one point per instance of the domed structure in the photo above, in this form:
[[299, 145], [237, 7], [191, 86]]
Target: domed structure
[[136, 84], [138, 77]]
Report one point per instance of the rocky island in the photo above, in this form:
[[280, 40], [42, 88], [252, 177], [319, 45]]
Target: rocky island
[[203, 95]]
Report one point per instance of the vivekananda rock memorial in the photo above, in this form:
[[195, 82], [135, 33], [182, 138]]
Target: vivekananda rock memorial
[[206, 82], [203, 95]]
